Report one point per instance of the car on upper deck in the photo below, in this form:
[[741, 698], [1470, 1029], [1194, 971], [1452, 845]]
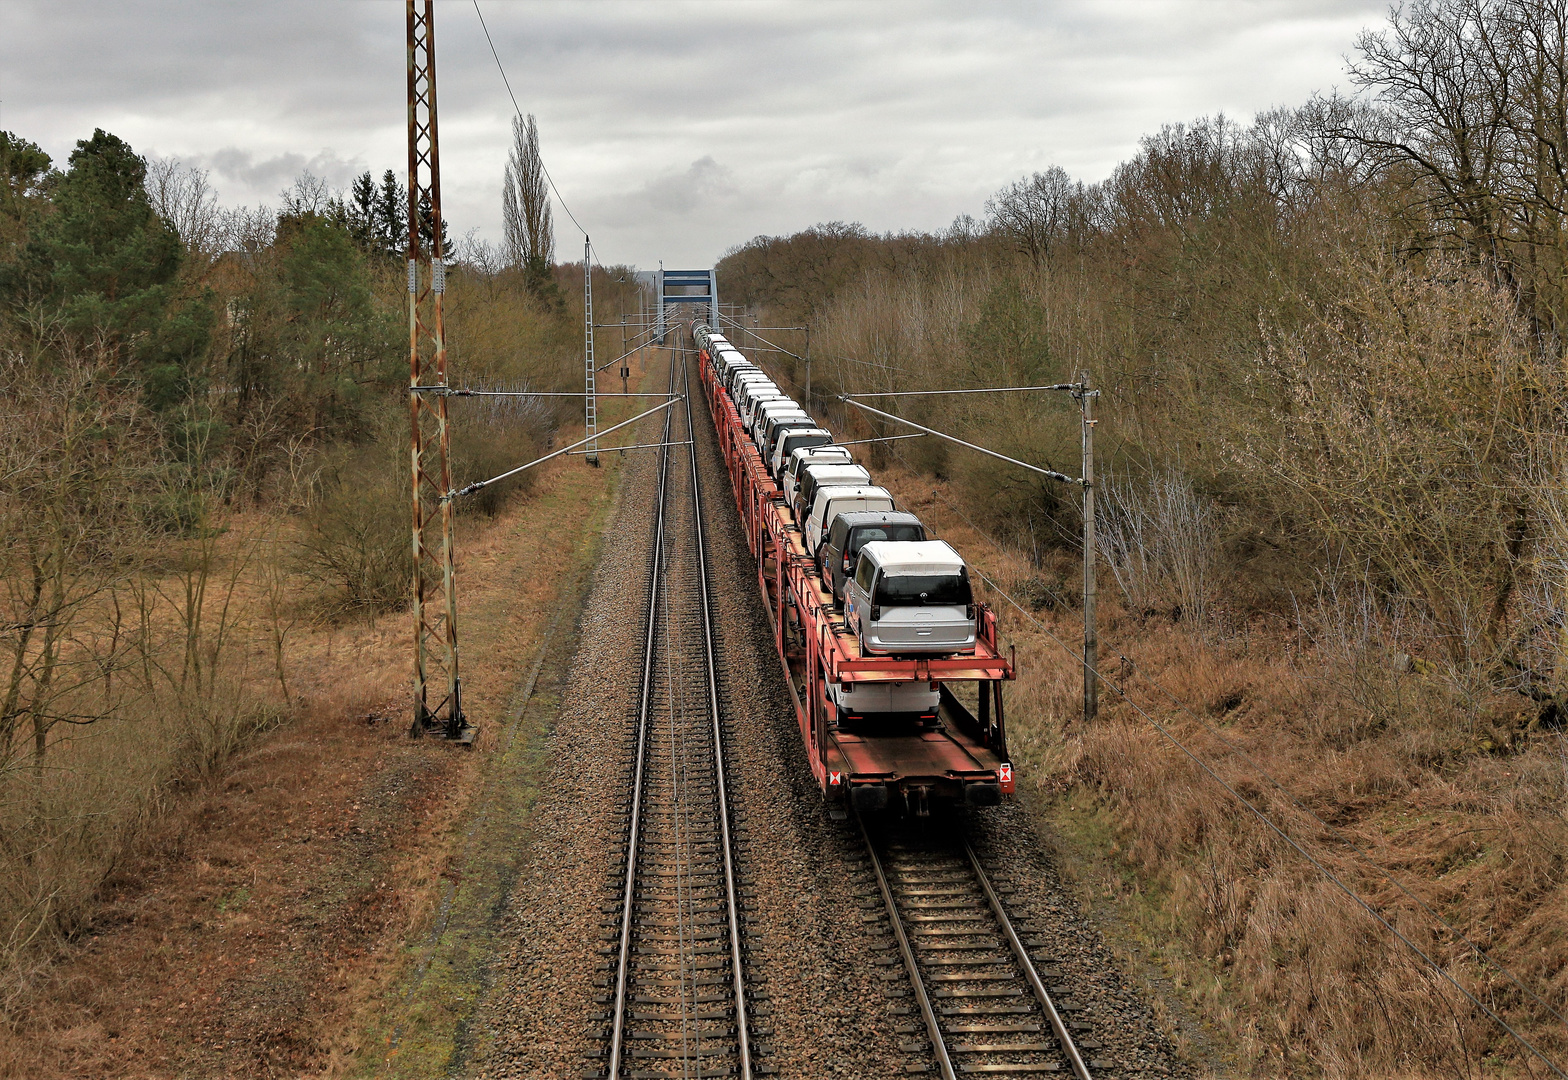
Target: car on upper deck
[[801, 457], [814, 475], [831, 500], [787, 440], [852, 531], [910, 598]]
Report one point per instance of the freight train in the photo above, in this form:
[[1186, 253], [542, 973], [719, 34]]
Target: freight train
[[881, 638]]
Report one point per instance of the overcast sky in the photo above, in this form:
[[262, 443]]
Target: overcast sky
[[674, 130]]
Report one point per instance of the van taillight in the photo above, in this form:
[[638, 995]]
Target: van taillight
[[846, 564]]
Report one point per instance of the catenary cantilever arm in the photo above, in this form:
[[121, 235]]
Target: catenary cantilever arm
[[1049, 473], [478, 485]]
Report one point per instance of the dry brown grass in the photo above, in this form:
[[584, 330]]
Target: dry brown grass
[[248, 920], [1452, 792]]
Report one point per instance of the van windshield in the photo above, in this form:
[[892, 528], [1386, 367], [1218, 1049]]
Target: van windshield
[[912, 590]]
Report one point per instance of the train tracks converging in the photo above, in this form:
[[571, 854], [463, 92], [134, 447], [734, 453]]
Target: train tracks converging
[[675, 982], [980, 1003]]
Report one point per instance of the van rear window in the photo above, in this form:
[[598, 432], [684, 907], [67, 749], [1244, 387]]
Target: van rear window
[[868, 534], [795, 442], [910, 590]]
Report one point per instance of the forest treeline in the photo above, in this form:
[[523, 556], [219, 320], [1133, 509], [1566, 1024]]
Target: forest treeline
[[1339, 328], [203, 450]]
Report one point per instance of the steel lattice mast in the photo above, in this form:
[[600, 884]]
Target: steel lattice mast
[[434, 580]]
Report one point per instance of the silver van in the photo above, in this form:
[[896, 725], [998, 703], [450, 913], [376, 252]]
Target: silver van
[[910, 597], [848, 533], [812, 476], [831, 500], [803, 456], [870, 706]]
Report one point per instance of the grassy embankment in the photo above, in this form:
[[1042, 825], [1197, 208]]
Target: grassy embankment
[[334, 876], [420, 1023]]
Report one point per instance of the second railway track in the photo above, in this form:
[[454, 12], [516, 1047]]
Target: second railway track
[[677, 988], [979, 998]]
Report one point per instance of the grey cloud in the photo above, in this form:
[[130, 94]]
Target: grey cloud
[[241, 167], [673, 128], [703, 183]]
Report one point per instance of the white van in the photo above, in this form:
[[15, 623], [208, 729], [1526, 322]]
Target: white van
[[769, 415], [738, 373], [802, 456], [787, 442], [746, 386], [910, 596], [731, 364], [784, 401], [863, 705], [739, 386], [814, 475], [831, 500], [756, 396]]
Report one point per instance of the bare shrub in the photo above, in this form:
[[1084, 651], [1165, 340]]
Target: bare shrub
[[1398, 427], [492, 436], [356, 548], [1159, 539]]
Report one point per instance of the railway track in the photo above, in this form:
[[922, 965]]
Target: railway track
[[979, 997], [678, 994]]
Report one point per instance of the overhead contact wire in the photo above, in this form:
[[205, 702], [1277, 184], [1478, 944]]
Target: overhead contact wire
[[519, 111]]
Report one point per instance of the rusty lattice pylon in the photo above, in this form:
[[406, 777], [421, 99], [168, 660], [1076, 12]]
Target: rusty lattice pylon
[[435, 582]]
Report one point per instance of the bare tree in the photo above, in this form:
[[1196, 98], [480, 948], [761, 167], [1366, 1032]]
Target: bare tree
[[309, 195], [1478, 94], [70, 514], [525, 202], [1037, 212], [183, 196]]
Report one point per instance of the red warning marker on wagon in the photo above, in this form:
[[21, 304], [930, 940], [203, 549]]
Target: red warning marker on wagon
[[1004, 776], [835, 778]]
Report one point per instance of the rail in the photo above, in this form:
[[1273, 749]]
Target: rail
[[952, 931], [679, 923]]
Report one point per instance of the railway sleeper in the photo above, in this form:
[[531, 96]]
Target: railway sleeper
[[701, 950], [685, 1052], [643, 1016], [677, 1036], [1003, 1048]]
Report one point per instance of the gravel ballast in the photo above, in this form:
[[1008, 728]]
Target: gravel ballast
[[812, 938]]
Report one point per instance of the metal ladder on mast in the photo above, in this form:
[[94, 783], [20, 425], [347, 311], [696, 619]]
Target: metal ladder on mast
[[592, 404]]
